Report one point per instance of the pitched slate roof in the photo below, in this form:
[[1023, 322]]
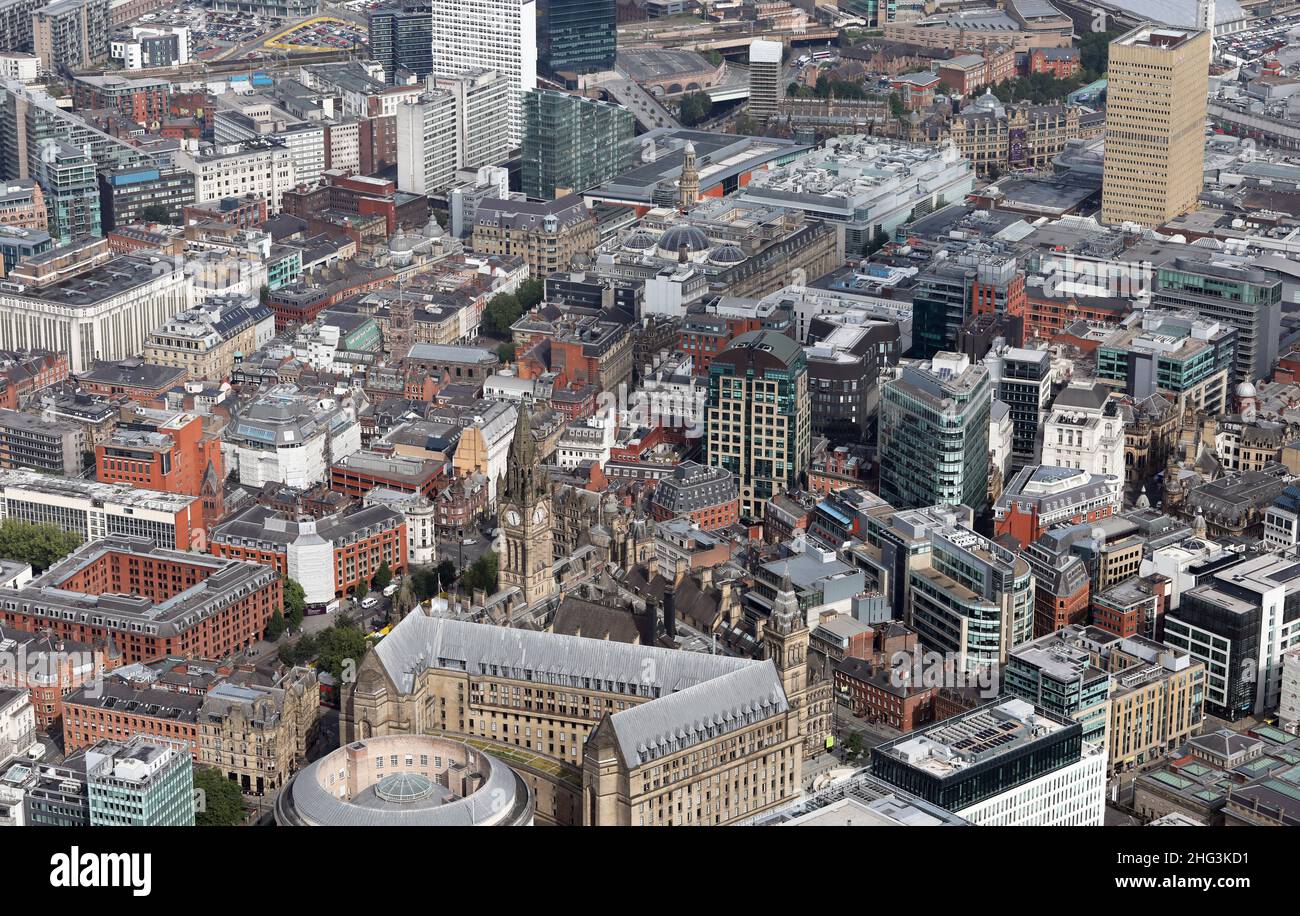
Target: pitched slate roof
[[691, 696]]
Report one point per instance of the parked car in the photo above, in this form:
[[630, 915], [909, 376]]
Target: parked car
[[368, 603]]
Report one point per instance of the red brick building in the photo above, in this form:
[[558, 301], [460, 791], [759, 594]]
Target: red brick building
[[836, 469], [1049, 312], [120, 710], [244, 212], [49, 667], [133, 379], [144, 100], [707, 496], [878, 693], [1134, 607], [1061, 63], [25, 371], [354, 195], [167, 452], [1039, 497], [150, 601], [361, 541], [360, 472], [1061, 594]]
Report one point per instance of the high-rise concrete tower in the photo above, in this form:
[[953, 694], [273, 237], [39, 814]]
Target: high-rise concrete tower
[[1155, 124], [498, 35]]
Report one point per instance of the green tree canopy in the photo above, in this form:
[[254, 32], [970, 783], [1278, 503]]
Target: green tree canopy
[[423, 581], [42, 545], [295, 603], [383, 576], [275, 626], [221, 804], [830, 88], [340, 645], [501, 312], [156, 213], [482, 574], [507, 352], [695, 107], [897, 107], [300, 651], [530, 293]]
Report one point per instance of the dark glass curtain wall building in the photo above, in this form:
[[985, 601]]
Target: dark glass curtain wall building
[[576, 36]]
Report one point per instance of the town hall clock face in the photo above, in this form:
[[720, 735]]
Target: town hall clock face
[[539, 515], [512, 517]]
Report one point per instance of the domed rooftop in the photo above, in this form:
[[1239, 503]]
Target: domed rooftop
[[639, 241], [989, 102], [1246, 390], [693, 237], [404, 788], [727, 254]]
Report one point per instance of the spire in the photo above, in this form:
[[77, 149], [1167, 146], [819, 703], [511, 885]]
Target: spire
[[521, 477], [785, 613]]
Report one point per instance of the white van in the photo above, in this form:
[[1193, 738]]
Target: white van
[[368, 603]]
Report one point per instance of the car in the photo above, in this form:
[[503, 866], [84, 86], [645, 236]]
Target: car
[[368, 603], [469, 542], [37, 752], [390, 589]]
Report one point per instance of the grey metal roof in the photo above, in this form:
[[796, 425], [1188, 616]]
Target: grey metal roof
[[736, 699], [502, 799], [1183, 12], [691, 695], [420, 642]]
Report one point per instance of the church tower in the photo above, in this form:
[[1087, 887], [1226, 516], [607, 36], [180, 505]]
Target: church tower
[[688, 185], [524, 513]]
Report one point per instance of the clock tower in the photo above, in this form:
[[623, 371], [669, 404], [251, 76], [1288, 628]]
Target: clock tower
[[524, 515]]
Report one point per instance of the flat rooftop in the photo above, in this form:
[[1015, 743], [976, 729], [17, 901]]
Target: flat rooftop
[[101, 283], [976, 737], [101, 493]]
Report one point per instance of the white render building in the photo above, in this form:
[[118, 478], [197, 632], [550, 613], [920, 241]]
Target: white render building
[[17, 723], [427, 147], [588, 439], [283, 437], [306, 144], [483, 100], [256, 167], [1085, 430], [1288, 710], [496, 35], [1073, 796], [97, 510], [865, 186], [104, 312], [421, 518]]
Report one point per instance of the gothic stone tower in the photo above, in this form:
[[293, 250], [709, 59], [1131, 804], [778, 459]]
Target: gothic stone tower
[[785, 642], [524, 504]]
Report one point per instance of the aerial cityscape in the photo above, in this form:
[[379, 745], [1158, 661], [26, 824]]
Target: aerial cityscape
[[649, 413]]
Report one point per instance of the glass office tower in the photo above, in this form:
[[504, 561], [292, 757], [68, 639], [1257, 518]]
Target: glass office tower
[[402, 36], [576, 36], [572, 143]]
